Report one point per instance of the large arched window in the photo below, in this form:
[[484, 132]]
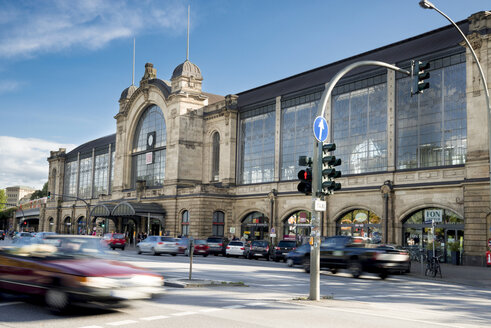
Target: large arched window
[[360, 223], [215, 158], [255, 226], [218, 223], [185, 223], [149, 147], [296, 226]]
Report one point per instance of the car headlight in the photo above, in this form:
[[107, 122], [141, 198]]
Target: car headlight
[[99, 282], [143, 280]]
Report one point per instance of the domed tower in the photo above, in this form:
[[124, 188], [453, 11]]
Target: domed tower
[[186, 78]]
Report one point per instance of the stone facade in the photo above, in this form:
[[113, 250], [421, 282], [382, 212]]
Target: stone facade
[[192, 117]]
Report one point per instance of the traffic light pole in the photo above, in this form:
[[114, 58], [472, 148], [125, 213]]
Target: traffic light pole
[[317, 175]]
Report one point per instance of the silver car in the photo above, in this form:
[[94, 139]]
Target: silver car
[[159, 245], [235, 248]]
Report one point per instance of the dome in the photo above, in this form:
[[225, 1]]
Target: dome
[[187, 69], [127, 92]]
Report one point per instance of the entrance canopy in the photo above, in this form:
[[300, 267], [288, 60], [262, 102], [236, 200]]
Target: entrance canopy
[[128, 209], [32, 213]]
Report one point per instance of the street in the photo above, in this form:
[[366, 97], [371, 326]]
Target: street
[[274, 295]]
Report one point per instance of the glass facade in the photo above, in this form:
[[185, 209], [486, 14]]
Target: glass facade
[[85, 183], [257, 145], [431, 127], [215, 158], [101, 175], [149, 148], [297, 115], [70, 183], [359, 125]]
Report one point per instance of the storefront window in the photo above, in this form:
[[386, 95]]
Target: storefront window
[[360, 223], [255, 226], [297, 226]]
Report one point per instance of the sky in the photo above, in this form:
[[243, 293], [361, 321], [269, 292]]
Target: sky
[[64, 64]]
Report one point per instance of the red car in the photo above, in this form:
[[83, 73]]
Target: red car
[[71, 269], [114, 240], [200, 248]]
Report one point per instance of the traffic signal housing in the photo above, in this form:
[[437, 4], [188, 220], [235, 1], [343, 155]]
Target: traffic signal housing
[[419, 76], [305, 175], [49, 195], [329, 173]]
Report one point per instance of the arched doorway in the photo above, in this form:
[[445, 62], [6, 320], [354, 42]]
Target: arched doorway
[[255, 226], [447, 235], [67, 224], [81, 226], [296, 226], [360, 223], [51, 223]]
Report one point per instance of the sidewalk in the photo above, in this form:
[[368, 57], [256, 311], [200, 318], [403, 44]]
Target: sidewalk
[[466, 275]]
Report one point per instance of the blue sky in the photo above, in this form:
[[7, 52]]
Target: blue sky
[[64, 64]]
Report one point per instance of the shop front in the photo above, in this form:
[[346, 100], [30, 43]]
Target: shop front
[[297, 226], [361, 224], [255, 226]]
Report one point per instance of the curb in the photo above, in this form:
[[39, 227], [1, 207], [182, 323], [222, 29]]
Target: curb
[[197, 283]]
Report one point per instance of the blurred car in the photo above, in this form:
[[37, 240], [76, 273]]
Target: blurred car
[[21, 236], [298, 255], [235, 248], [217, 245], [183, 245], [114, 240], [282, 249], [159, 245], [69, 269], [42, 235], [2, 234], [400, 253], [259, 249], [200, 248]]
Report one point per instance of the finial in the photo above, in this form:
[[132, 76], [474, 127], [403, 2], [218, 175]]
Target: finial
[[187, 48]]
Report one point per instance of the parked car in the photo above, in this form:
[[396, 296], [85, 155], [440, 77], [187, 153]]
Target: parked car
[[217, 245], [67, 269], [282, 249], [159, 245], [200, 248], [2, 234], [114, 240], [43, 234], [183, 245], [298, 255], [259, 249], [406, 266], [21, 236], [235, 248]]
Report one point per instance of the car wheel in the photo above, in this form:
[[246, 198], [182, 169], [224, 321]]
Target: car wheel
[[354, 267], [289, 262], [205, 255], [267, 257], [250, 257], [139, 250], [227, 255], [276, 259], [383, 275], [114, 248], [334, 271], [408, 270], [154, 252], [56, 300], [173, 254], [306, 264], [122, 248], [216, 254]]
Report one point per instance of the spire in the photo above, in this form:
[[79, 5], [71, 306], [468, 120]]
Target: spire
[[133, 75], [187, 48]]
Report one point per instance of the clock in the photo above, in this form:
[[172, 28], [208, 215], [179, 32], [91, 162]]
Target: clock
[[150, 140]]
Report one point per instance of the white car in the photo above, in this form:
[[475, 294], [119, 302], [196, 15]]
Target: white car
[[159, 245], [235, 248]]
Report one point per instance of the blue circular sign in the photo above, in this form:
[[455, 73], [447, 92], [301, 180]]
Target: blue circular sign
[[320, 128]]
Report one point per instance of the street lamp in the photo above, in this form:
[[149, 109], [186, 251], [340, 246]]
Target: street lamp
[[425, 4]]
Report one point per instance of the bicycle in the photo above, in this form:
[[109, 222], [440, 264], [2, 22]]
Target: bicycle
[[433, 267]]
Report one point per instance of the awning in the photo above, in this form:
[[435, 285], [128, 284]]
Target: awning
[[139, 209], [30, 212], [102, 210]]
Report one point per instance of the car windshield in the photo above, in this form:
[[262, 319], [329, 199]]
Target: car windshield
[[214, 240], [236, 243], [260, 243], [200, 242], [285, 243], [118, 236], [58, 247]]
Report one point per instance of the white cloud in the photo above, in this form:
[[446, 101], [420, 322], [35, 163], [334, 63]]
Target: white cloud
[[23, 161], [8, 86], [50, 26]]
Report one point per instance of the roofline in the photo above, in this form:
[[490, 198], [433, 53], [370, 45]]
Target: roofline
[[355, 56]]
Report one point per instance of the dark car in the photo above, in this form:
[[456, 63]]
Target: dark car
[[2, 234], [259, 249], [282, 249], [71, 269], [217, 245], [298, 255]]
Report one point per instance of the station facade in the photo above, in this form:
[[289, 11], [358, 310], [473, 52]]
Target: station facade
[[186, 162]]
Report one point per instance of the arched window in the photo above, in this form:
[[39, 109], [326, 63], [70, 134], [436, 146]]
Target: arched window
[[218, 223], [149, 148], [67, 226], [185, 223], [81, 226], [255, 226], [51, 227], [215, 158], [297, 226], [360, 223]]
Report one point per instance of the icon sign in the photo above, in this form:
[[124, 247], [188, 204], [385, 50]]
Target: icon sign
[[320, 128]]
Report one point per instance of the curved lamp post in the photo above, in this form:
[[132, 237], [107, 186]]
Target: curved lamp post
[[428, 5]]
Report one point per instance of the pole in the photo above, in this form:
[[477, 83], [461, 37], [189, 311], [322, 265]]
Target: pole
[[316, 172]]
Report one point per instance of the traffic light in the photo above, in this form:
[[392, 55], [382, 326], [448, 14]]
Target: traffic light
[[329, 173], [49, 195], [305, 176], [419, 75]]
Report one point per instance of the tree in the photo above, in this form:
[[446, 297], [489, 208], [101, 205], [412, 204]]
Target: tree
[[40, 193], [3, 199]]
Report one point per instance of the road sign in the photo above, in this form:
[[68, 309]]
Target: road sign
[[320, 205], [320, 128], [273, 230]]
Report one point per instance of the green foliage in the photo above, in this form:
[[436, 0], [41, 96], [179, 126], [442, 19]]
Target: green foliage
[[7, 214], [40, 193], [3, 199], [454, 246]]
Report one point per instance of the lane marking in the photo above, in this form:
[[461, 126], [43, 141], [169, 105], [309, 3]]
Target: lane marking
[[183, 313], [234, 307], [257, 304], [92, 327], [10, 303], [157, 317], [210, 310], [121, 323]]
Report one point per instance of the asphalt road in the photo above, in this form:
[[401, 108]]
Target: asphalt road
[[274, 297]]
